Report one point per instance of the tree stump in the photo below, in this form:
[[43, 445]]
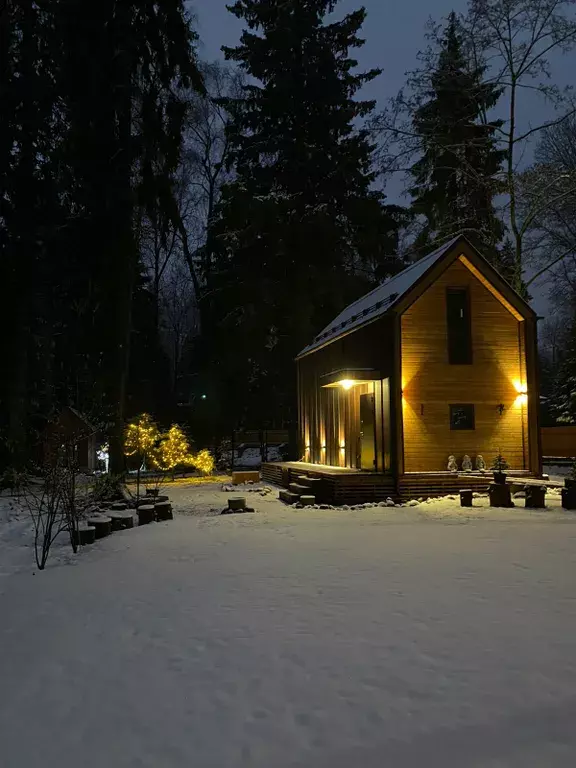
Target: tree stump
[[236, 503], [118, 505], [161, 498], [569, 498], [102, 525], [164, 511], [146, 514], [500, 495], [466, 497], [535, 496], [85, 535], [152, 491], [145, 502], [121, 520]]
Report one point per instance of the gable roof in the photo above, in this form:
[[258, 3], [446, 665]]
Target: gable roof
[[386, 296]]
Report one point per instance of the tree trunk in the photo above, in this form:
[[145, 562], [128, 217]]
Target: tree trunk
[[124, 248]]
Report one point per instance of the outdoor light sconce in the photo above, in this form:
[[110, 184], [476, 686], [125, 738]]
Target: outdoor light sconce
[[501, 408]]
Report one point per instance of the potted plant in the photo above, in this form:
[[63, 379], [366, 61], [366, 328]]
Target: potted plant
[[498, 466]]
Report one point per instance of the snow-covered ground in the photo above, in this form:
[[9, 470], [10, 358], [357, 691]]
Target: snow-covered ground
[[414, 636]]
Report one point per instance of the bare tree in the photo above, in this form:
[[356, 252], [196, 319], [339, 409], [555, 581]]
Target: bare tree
[[205, 157], [195, 193], [180, 320], [53, 504], [547, 198], [516, 38]]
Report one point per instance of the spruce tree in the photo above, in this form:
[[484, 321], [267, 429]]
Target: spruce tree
[[301, 230], [456, 178]]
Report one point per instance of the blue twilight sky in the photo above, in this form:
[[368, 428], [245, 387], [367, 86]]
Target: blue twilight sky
[[394, 33]]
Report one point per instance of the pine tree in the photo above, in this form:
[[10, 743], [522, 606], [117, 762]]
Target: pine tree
[[564, 390], [123, 65], [301, 228], [456, 177]]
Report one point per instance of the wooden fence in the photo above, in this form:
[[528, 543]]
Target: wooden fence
[[559, 442]]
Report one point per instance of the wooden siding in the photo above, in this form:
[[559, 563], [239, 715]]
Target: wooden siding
[[329, 417], [430, 384], [559, 442]]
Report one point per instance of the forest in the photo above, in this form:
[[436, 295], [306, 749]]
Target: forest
[[174, 231]]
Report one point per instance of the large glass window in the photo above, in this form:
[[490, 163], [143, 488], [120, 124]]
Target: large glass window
[[459, 327]]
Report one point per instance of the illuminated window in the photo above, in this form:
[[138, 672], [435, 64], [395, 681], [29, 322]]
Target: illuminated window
[[462, 417], [458, 326]]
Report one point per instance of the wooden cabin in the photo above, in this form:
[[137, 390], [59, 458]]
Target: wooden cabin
[[438, 361], [72, 428]]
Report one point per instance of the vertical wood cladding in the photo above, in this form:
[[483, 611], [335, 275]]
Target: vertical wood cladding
[[430, 384]]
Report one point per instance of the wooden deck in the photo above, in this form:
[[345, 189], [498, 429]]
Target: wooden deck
[[343, 485], [340, 485]]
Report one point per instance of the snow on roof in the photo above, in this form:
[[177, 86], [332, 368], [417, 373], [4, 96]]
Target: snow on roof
[[379, 300]]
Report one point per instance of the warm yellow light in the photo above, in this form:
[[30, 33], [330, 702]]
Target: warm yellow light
[[342, 446], [522, 399], [346, 383], [323, 446], [520, 388]]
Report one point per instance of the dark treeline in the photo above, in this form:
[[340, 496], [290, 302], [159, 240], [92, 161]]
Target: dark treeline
[[173, 232]]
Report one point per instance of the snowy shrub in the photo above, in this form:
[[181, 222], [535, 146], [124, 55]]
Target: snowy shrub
[[13, 480], [53, 507]]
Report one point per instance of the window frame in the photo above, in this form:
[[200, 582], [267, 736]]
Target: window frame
[[452, 407], [452, 348]]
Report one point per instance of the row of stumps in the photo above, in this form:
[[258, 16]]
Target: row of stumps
[[500, 495], [111, 516]]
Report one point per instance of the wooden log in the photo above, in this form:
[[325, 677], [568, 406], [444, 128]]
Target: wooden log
[[569, 498], [466, 497], [307, 501], [535, 496], [146, 514], [236, 503], [164, 511], [122, 519], [85, 535], [102, 525]]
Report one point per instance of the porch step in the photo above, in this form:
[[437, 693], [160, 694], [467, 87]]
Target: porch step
[[288, 497], [310, 482], [298, 489], [307, 500]]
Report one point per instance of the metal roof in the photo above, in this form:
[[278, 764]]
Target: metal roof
[[379, 300]]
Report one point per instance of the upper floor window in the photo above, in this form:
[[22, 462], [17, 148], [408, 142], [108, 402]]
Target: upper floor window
[[459, 327]]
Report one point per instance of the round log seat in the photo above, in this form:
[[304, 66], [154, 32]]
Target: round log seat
[[146, 514], [102, 525]]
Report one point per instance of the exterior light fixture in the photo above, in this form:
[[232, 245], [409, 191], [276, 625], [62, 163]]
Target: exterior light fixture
[[342, 446], [346, 383]]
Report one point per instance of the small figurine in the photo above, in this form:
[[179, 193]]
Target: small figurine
[[480, 463], [452, 465], [466, 463]]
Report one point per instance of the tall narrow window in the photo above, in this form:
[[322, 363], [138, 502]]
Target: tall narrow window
[[459, 329]]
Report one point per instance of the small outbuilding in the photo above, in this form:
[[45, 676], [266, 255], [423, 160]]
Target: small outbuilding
[[439, 361], [72, 428]]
